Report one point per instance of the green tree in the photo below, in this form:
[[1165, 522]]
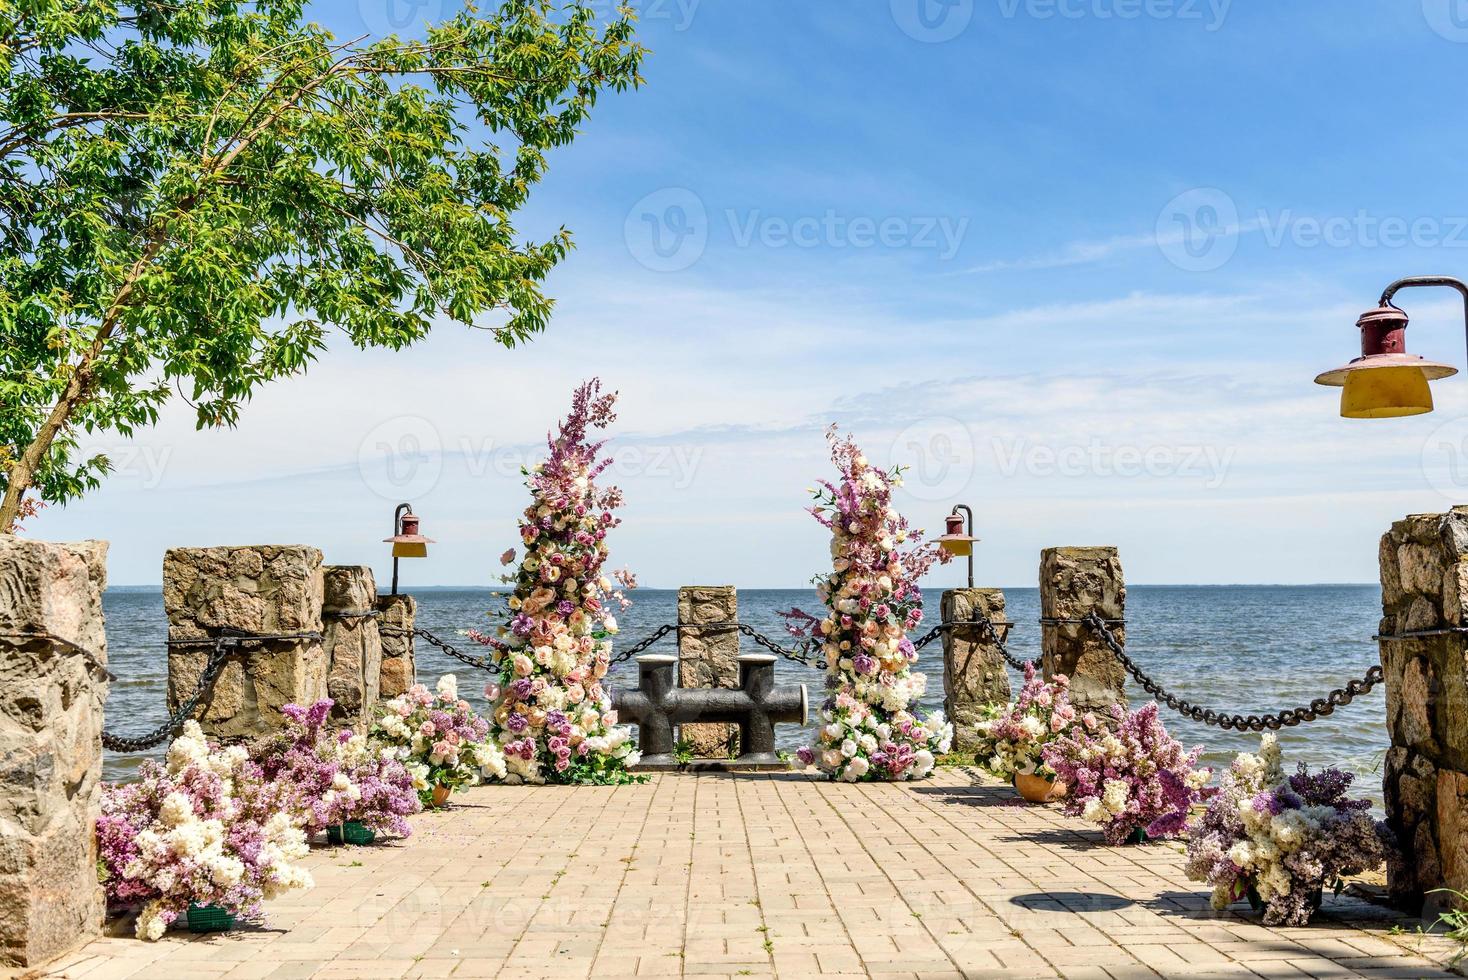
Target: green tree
[[193, 193]]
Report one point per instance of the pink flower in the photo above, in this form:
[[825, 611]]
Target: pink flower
[[508, 556]]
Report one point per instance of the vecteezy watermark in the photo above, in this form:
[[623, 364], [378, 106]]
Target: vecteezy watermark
[[405, 18], [678, 13], [676, 463], [1445, 460], [1199, 230], [1447, 18], [401, 458], [669, 230], [138, 464], [1208, 464], [1209, 13], [932, 21], [938, 456]]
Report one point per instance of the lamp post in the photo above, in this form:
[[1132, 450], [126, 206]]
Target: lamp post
[[957, 541], [406, 541], [1385, 381]]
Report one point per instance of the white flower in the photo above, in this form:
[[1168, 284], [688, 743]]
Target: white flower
[[448, 687], [848, 748]]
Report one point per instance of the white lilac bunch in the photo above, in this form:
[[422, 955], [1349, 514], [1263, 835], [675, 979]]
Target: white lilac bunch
[[438, 738], [552, 716], [869, 730], [204, 828], [1283, 839]]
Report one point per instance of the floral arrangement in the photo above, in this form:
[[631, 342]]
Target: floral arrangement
[[1135, 782], [206, 827], [551, 715], [329, 778], [1012, 741], [438, 738], [1283, 839], [872, 601]]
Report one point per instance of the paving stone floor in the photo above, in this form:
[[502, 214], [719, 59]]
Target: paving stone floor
[[757, 875]]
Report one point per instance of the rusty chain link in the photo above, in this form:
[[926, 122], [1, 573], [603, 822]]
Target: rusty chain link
[[1289, 717], [222, 648]]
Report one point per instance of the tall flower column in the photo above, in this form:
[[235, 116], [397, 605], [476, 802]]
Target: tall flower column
[[872, 599], [552, 717]]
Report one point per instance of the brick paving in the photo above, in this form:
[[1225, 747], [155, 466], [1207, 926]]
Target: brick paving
[[755, 875]]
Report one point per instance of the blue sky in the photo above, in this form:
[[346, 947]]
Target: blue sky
[[1076, 261]]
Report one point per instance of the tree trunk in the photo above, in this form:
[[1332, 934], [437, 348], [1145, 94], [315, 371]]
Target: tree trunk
[[23, 472]]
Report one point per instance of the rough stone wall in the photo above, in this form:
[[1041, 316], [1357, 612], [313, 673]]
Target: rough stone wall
[[51, 700], [260, 589], [973, 669], [1424, 586], [398, 672], [1074, 582], [708, 657], [353, 643]]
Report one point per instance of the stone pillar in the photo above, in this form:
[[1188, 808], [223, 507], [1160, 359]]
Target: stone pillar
[[973, 669], [708, 656], [51, 698], [1074, 582], [396, 627], [352, 642], [1424, 586], [258, 589]]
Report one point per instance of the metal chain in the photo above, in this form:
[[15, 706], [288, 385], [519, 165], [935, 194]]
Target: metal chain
[[986, 625], [419, 631], [1289, 717], [801, 655], [224, 646], [643, 644]]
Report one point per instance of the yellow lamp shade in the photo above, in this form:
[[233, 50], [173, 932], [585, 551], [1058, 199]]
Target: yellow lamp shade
[[410, 549], [959, 548], [1385, 393]]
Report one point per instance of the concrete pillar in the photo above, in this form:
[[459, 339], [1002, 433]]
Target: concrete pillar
[[259, 589], [395, 625], [1074, 582], [708, 656], [51, 698], [1424, 586], [973, 669], [352, 643]]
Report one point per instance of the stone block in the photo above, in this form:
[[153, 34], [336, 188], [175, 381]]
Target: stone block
[[395, 625], [1074, 582], [973, 669], [708, 656], [51, 702], [352, 641], [260, 589]]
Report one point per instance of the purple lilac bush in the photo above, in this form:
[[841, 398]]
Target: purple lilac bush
[[327, 778], [1285, 838], [1136, 777]]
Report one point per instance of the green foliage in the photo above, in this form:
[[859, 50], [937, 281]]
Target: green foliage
[[195, 193], [594, 770]]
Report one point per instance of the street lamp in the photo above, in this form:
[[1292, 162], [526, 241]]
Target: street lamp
[[1385, 381], [956, 541], [406, 541]]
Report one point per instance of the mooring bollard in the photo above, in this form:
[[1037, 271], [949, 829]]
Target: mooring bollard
[[756, 706]]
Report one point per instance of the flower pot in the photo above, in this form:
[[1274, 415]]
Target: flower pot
[[209, 918], [1137, 836], [351, 832], [1038, 789], [441, 794]]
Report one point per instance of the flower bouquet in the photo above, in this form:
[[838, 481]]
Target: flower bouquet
[[552, 717], [337, 781], [1012, 742], [872, 600], [204, 833], [1280, 840], [439, 739], [1136, 782]]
